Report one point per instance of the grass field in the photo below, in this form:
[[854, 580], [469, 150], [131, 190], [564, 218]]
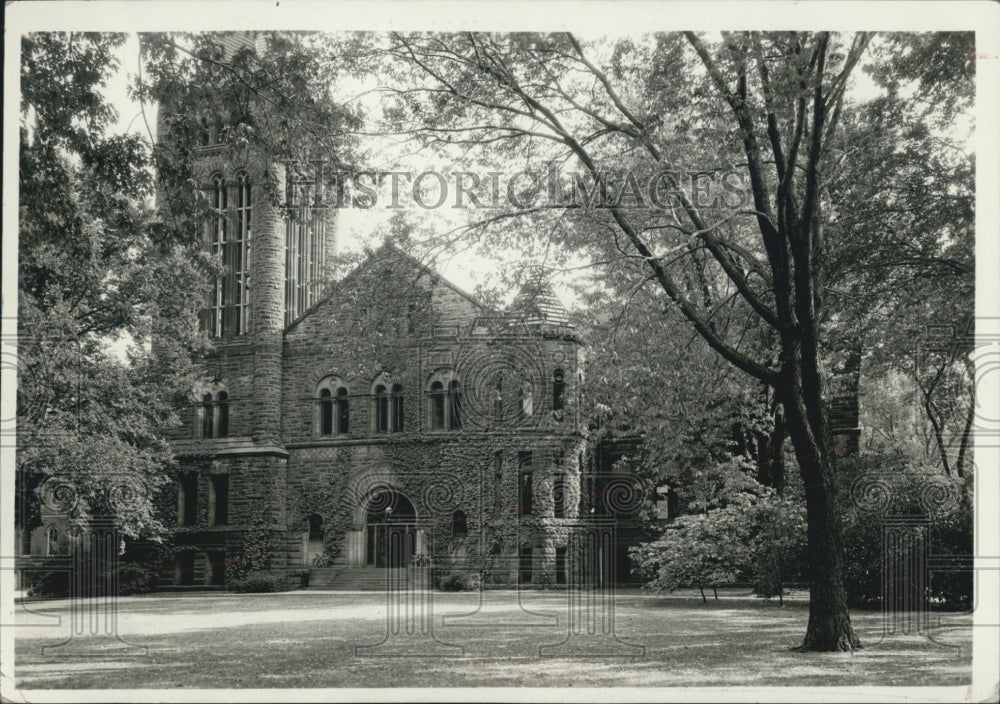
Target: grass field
[[310, 639]]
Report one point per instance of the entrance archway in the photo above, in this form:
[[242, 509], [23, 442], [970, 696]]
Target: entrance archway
[[390, 529]]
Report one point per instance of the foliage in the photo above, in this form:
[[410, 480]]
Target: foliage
[[886, 491], [772, 109], [756, 537], [254, 558], [266, 94], [46, 584], [456, 580], [258, 583], [136, 578], [94, 269]]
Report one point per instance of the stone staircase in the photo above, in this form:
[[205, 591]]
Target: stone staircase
[[351, 578]]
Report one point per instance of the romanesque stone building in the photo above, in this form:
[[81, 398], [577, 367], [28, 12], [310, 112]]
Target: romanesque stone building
[[394, 417], [369, 421]]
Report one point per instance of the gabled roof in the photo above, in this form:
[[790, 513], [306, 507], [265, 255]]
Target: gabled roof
[[385, 252]]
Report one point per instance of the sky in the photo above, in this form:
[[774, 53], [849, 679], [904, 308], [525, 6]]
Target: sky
[[358, 228]]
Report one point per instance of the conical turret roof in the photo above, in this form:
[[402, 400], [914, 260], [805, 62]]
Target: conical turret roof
[[538, 304]]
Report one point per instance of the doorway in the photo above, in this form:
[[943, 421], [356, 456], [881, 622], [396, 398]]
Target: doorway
[[390, 529]]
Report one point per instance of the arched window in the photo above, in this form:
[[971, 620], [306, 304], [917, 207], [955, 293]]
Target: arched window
[[381, 410], [207, 416], [455, 404], [459, 524], [397, 408], [325, 412], [437, 406], [558, 390], [343, 411], [212, 416], [332, 413], [222, 426]]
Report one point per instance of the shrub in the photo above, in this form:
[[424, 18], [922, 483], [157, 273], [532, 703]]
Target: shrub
[[910, 493], [46, 584], [756, 537], [457, 580], [135, 578], [258, 583]]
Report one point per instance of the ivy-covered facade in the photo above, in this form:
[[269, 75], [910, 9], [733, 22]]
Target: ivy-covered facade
[[395, 419]]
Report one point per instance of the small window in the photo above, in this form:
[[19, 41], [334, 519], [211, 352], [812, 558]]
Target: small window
[[498, 398], [559, 495], [220, 499], [525, 481], [52, 541], [343, 411], [455, 395], [213, 413], [524, 573], [207, 416], [560, 565], [315, 527], [223, 420], [189, 500], [558, 390], [411, 316], [527, 400], [397, 408], [498, 480], [437, 406], [459, 524], [381, 414], [325, 412], [526, 493]]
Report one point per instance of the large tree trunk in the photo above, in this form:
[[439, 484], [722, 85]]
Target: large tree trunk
[[829, 626]]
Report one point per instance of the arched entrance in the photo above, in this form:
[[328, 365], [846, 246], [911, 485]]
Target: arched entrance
[[390, 529]]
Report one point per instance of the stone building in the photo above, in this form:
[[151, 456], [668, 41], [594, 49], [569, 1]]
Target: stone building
[[394, 416], [371, 421]]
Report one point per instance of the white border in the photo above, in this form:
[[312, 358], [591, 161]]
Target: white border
[[585, 17]]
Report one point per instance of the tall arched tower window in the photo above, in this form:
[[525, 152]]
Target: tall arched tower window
[[240, 285], [227, 235], [207, 416], [216, 235], [305, 237], [222, 422]]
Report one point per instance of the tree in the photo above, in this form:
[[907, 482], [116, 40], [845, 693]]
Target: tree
[[93, 268], [768, 107]]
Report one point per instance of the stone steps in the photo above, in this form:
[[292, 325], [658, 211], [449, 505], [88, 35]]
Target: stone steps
[[351, 578]]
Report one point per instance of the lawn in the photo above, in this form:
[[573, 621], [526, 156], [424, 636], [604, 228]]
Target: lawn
[[311, 639]]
